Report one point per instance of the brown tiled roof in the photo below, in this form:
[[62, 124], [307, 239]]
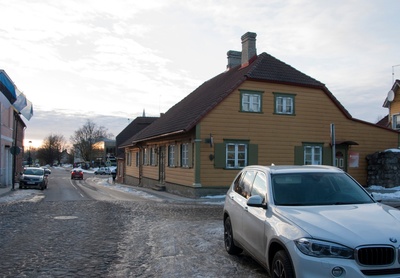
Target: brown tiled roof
[[124, 138], [184, 115]]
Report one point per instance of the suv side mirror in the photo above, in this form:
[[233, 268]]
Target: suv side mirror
[[256, 201]]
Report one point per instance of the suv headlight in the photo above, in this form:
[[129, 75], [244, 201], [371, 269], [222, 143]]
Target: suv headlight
[[323, 249]]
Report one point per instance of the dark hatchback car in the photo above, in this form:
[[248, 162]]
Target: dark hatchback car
[[76, 174], [33, 177]]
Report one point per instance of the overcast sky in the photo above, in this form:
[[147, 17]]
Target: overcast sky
[[110, 60]]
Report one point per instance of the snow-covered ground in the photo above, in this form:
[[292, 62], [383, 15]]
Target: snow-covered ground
[[382, 193], [29, 195]]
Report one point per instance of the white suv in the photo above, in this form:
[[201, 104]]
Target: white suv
[[310, 222]]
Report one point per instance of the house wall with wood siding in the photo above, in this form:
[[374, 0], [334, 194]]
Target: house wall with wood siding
[[177, 174], [130, 167], [277, 135], [394, 107], [174, 175]]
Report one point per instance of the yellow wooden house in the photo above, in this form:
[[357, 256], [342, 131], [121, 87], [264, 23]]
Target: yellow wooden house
[[392, 102], [259, 111]]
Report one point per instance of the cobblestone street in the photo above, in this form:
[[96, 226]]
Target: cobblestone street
[[116, 239]]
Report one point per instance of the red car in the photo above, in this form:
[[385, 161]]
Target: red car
[[76, 174]]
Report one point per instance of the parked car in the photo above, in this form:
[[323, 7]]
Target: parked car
[[33, 177], [103, 171], [76, 174], [310, 221], [46, 169]]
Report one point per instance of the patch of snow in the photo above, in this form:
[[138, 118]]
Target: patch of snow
[[392, 150], [383, 193], [127, 189], [22, 196]]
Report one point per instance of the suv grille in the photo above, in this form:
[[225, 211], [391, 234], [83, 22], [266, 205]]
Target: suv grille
[[375, 255]]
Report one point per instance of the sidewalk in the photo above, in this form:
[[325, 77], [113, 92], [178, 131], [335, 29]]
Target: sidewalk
[[169, 196], [6, 190]]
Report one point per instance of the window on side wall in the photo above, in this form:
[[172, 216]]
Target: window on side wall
[[312, 155], [185, 155], [145, 156], [251, 101], [236, 155], [396, 122], [171, 155], [128, 158], [153, 157], [284, 104], [137, 159]]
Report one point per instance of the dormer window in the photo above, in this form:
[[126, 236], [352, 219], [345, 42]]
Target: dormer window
[[251, 101], [284, 104]]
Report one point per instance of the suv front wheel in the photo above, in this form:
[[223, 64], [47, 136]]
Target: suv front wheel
[[281, 266]]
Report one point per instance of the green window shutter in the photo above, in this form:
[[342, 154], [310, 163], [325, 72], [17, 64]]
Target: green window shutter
[[298, 155], [326, 156], [169, 156], [253, 154], [219, 155]]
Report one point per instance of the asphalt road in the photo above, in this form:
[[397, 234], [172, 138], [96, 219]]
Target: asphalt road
[[82, 230]]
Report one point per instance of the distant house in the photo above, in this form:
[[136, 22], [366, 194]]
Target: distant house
[[123, 139], [259, 111], [104, 153], [392, 102]]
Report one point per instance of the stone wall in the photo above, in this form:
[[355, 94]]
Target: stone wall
[[384, 169]]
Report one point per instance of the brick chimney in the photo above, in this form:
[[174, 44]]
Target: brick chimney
[[248, 47], [234, 59]]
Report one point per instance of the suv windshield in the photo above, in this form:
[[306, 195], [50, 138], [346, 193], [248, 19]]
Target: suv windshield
[[311, 189]]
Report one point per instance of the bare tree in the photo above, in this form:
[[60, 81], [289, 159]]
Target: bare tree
[[51, 149], [84, 138]]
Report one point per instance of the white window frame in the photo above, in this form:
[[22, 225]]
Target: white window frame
[[236, 158], [312, 155], [153, 156], [185, 155], [284, 105], [396, 122], [171, 155], [137, 158], [251, 102], [128, 158], [145, 156]]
